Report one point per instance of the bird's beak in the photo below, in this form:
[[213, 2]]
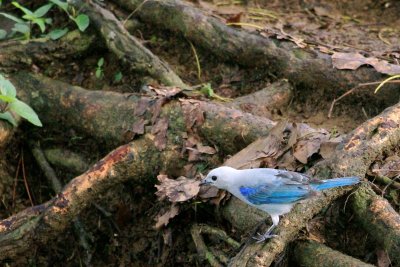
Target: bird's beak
[[204, 182]]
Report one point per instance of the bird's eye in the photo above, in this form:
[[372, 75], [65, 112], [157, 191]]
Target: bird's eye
[[214, 178]]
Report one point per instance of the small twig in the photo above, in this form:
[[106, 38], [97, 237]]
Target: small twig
[[46, 168], [351, 91], [133, 12], [387, 181], [16, 182], [197, 60], [25, 181]]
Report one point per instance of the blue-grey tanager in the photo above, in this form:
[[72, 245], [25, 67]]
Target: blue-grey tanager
[[271, 190]]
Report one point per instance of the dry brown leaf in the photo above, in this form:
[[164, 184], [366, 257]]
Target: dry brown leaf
[[234, 19], [138, 126], [327, 149], [383, 258], [193, 154], [160, 132], [193, 114], [326, 12], [309, 145], [352, 61], [208, 192], [390, 167], [156, 108], [142, 106], [166, 91], [179, 190], [206, 149], [163, 220], [266, 151]]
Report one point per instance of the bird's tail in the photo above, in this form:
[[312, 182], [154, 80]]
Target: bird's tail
[[336, 182]]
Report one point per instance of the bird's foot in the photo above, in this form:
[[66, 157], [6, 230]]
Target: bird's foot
[[261, 238]]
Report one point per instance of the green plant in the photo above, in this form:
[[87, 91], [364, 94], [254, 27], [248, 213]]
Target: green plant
[[117, 77], [81, 20], [208, 91], [29, 18], [23, 25], [99, 68], [11, 106]]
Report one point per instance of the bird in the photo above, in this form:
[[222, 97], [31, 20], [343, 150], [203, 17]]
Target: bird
[[271, 190]]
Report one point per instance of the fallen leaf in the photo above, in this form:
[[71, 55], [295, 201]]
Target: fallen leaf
[[163, 220], [178, 190], [208, 192], [193, 154], [383, 259], [234, 19], [265, 151], [206, 149], [166, 91], [328, 148], [309, 145], [138, 127], [389, 168], [159, 130], [156, 108], [193, 114], [142, 106], [352, 61]]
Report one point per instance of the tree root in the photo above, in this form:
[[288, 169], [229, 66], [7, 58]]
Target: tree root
[[300, 66], [37, 225], [266, 101], [127, 48], [18, 55], [203, 251], [379, 219], [66, 159], [89, 111], [313, 254], [352, 157], [56, 185]]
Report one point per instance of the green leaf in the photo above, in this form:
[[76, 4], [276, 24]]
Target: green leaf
[[16, 19], [21, 27], [7, 99], [3, 34], [82, 21], [57, 33], [60, 4], [25, 112], [25, 10], [99, 73], [100, 63], [207, 90], [40, 23], [118, 77], [41, 11], [8, 117], [7, 88]]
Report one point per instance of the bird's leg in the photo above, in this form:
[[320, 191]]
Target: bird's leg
[[267, 235]]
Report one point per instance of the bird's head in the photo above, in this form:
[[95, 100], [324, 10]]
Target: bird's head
[[220, 177]]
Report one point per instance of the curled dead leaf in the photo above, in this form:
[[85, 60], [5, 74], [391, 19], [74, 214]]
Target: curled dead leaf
[[160, 131], [179, 190], [194, 115], [163, 220], [165, 91], [352, 61], [206, 149]]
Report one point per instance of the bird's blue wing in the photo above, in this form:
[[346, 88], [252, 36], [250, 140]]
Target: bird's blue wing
[[279, 193]]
